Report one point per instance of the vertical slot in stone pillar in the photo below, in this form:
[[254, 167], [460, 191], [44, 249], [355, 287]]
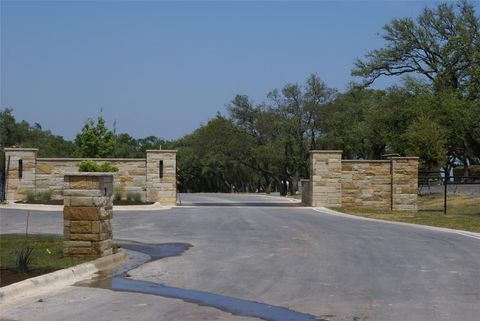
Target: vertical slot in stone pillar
[[87, 214], [20, 176], [162, 176]]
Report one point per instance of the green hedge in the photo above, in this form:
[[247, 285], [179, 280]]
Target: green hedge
[[92, 166], [473, 170]]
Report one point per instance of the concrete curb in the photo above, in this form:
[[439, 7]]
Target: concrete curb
[[59, 208], [283, 198], [61, 278], [328, 211]]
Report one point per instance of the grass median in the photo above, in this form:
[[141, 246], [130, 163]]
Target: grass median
[[463, 213], [46, 256]]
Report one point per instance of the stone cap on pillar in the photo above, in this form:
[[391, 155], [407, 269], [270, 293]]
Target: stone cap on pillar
[[20, 149], [404, 157], [326, 151], [90, 174], [88, 189], [83, 180], [161, 150]]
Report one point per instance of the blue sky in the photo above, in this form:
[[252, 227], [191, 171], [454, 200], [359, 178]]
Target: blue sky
[[164, 68]]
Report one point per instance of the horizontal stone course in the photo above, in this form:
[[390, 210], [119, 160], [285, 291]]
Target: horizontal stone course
[[87, 214], [376, 184], [134, 175]]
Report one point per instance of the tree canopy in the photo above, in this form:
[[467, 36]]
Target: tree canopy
[[95, 139], [442, 45]]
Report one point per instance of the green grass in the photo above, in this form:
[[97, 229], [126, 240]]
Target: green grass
[[47, 252], [463, 213], [296, 196]]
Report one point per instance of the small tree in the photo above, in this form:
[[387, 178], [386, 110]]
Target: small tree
[[95, 139], [427, 139]]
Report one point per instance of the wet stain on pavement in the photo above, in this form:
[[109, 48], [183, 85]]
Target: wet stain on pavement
[[119, 281]]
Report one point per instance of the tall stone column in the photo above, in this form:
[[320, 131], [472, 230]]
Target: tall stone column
[[87, 214], [404, 183], [162, 176], [20, 169], [325, 178]]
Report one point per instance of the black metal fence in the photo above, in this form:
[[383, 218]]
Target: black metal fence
[[439, 185]]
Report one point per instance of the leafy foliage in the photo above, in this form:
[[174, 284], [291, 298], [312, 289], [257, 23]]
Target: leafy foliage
[[22, 134], [442, 45], [23, 259], [39, 196], [92, 166], [134, 197], [95, 139]]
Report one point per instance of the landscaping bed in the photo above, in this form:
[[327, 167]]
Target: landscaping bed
[[46, 256], [463, 213], [60, 202]]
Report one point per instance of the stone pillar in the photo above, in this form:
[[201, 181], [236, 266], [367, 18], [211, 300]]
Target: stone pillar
[[325, 178], [404, 183], [87, 214], [162, 176], [20, 168]]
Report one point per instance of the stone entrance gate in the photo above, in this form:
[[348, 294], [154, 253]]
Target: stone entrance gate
[[153, 177], [389, 184]]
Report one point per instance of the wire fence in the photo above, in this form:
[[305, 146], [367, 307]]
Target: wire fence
[[436, 184]]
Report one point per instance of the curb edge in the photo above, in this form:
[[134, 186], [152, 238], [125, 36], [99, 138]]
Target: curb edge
[[62, 277]]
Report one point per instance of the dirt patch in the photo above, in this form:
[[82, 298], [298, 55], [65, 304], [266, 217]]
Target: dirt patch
[[51, 202], [9, 277]]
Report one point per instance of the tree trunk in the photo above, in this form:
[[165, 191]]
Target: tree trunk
[[294, 182]]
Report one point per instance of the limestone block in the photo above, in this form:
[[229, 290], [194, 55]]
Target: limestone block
[[73, 251], [83, 213], [83, 192], [85, 237], [81, 227], [69, 244], [79, 201], [44, 168], [99, 247]]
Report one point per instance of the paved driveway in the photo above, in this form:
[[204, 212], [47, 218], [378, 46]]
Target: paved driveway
[[332, 267]]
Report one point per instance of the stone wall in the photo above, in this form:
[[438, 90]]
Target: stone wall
[[376, 184], [134, 175], [131, 175], [366, 183], [87, 214]]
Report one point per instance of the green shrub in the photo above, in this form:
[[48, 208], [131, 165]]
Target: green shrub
[[107, 167], [88, 166], [134, 197], [130, 196], [137, 197], [23, 258], [117, 194], [30, 195], [92, 166], [44, 196], [473, 170]]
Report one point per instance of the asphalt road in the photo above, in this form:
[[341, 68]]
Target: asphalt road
[[332, 267]]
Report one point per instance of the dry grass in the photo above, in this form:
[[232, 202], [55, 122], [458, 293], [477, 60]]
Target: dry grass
[[463, 213]]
